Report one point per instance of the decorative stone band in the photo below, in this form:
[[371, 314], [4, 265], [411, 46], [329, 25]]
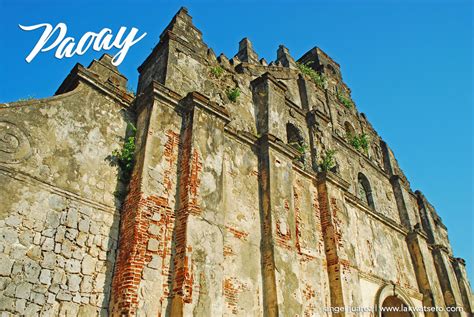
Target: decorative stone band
[[440, 247], [350, 198], [459, 260], [417, 231], [14, 143], [81, 74]]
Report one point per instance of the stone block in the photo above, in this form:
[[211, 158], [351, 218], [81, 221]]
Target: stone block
[[6, 265], [88, 265], [153, 245], [68, 309], [74, 282], [72, 218], [23, 290], [73, 266], [45, 277], [84, 225], [48, 244]]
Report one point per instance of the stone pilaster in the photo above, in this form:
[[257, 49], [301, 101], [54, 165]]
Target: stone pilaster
[[432, 294], [198, 236], [447, 278], [459, 266], [140, 285], [331, 234]]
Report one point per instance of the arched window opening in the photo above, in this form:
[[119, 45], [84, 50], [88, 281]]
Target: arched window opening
[[350, 132], [391, 303], [293, 135], [296, 140], [331, 69], [364, 192]]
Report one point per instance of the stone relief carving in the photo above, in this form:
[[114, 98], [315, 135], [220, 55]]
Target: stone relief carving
[[14, 143]]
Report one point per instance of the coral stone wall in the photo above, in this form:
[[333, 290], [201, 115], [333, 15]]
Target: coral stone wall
[[58, 212], [228, 209]]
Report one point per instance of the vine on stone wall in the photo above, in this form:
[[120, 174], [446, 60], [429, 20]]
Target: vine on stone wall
[[328, 161], [233, 94], [345, 101], [318, 78], [125, 157], [217, 71], [301, 147], [359, 142]]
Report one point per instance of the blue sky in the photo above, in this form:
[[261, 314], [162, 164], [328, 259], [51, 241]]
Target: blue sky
[[408, 63]]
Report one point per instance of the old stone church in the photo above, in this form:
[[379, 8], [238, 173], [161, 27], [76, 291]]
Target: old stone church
[[257, 189]]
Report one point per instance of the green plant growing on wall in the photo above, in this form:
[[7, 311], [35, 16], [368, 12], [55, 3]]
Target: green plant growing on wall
[[301, 148], [233, 94], [345, 101], [354, 141], [217, 71], [318, 79], [125, 158], [359, 142], [328, 161], [364, 142]]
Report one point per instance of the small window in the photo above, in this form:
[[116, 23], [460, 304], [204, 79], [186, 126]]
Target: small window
[[350, 132], [293, 135], [331, 69], [364, 192]]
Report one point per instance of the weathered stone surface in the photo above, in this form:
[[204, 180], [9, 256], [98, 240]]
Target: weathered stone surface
[[45, 277], [88, 265], [74, 282], [229, 209], [23, 290], [6, 265]]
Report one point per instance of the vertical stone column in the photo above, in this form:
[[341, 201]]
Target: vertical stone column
[[441, 252], [197, 272], [418, 240], [270, 301], [265, 90], [331, 236], [447, 279], [459, 266], [147, 218], [400, 189], [432, 294]]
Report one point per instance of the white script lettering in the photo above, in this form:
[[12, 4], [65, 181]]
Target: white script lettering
[[67, 47]]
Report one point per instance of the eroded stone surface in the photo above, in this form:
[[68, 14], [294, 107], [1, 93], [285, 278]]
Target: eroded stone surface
[[227, 212]]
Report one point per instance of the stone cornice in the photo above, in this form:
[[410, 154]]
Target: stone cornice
[[294, 107], [334, 179], [441, 248], [382, 218], [36, 181], [281, 147], [196, 99], [402, 180], [460, 261], [417, 232], [156, 91], [269, 77], [360, 155], [304, 172], [242, 136], [81, 74], [379, 280]]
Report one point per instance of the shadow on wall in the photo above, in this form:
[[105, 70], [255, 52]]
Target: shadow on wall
[[124, 160]]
